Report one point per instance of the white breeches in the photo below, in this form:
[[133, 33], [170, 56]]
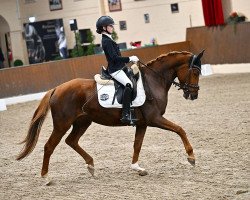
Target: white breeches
[[121, 77]]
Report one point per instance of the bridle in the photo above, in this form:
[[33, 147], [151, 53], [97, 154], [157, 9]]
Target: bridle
[[186, 86]]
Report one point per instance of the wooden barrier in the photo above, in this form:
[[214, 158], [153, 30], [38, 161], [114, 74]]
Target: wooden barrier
[[223, 44], [42, 77]]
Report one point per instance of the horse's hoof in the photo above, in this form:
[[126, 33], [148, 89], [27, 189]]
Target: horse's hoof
[[91, 169], [191, 161], [143, 172], [48, 181]]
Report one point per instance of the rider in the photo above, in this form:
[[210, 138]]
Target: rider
[[105, 26]]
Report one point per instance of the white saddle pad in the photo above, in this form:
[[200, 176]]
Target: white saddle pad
[[106, 94]]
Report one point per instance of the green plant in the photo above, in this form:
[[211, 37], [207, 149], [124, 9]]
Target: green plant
[[58, 58], [77, 51], [90, 49], [91, 46], [114, 36], [90, 36], [18, 62]]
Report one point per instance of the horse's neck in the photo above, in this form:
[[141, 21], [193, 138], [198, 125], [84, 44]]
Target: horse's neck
[[159, 82], [164, 75]]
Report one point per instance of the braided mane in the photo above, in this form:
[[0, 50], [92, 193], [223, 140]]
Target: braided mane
[[172, 53]]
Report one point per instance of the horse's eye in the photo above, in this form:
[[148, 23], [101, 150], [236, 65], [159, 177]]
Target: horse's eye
[[196, 73]]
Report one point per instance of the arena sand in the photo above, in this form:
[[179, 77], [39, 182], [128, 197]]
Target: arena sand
[[218, 127]]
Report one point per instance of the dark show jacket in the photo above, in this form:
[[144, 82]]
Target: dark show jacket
[[113, 54]]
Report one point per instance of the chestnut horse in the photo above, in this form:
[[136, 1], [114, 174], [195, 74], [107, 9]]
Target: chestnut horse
[[73, 104]]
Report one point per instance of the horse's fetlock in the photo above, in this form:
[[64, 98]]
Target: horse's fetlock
[[44, 173], [190, 152], [90, 161]]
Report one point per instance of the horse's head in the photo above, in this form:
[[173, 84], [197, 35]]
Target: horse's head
[[188, 74]]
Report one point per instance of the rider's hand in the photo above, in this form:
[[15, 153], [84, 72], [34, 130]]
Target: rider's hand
[[133, 59]]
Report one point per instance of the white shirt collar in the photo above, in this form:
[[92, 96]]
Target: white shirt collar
[[108, 35]]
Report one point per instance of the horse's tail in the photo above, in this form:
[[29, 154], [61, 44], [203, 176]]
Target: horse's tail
[[35, 126]]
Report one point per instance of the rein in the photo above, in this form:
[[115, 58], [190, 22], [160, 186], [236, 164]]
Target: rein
[[176, 84]]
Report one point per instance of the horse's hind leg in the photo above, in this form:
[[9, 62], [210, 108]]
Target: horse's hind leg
[[168, 125], [50, 146], [79, 127]]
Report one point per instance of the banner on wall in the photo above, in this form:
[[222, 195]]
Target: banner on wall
[[42, 40]]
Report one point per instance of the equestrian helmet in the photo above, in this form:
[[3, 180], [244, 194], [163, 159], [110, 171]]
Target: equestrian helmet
[[103, 21]]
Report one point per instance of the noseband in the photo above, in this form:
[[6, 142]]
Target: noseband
[[187, 86]]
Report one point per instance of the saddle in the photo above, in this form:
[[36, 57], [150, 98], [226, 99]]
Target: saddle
[[133, 75]]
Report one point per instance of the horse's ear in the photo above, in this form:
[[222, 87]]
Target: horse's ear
[[200, 54]]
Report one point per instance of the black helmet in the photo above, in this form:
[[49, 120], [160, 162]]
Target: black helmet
[[102, 22]]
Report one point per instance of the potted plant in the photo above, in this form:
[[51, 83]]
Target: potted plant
[[18, 62], [235, 18]]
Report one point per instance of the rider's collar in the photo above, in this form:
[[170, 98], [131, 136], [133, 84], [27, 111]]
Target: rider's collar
[[109, 35]]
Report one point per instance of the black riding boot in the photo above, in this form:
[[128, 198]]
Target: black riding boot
[[127, 95]]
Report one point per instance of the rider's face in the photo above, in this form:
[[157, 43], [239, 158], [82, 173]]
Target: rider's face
[[110, 28]]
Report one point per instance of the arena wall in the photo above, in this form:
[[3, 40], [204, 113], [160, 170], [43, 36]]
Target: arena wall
[[223, 44], [42, 77]]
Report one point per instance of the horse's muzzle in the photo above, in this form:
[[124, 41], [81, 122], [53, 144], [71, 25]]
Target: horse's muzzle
[[191, 96], [194, 96]]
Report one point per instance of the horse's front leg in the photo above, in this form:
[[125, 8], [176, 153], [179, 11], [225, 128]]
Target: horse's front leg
[[163, 123], [139, 136]]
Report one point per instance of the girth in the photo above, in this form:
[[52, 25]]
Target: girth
[[119, 88]]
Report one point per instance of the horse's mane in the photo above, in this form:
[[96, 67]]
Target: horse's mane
[[172, 53]]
